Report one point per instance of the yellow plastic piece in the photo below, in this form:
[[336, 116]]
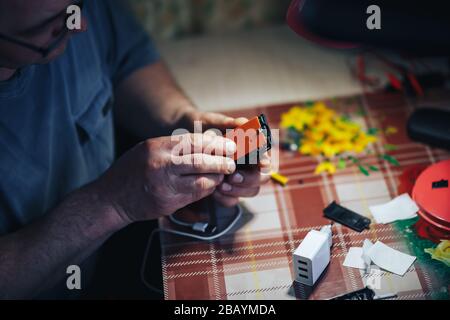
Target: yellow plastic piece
[[324, 132], [441, 252], [325, 167], [279, 178], [391, 130]]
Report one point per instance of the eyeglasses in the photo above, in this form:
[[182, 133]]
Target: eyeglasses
[[43, 51]]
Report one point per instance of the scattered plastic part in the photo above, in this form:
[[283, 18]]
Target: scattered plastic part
[[329, 232], [279, 178], [390, 259], [391, 130], [380, 254], [390, 147], [288, 146], [394, 81], [441, 252], [320, 130], [354, 259], [342, 164], [399, 208], [363, 170], [367, 244], [385, 296], [415, 84], [392, 160], [358, 257], [317, 130], [346, 217], [365, 294], [362, 294], [325, 166]]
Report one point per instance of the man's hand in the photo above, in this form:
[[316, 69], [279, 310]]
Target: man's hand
[[162, 175], [243, 183]]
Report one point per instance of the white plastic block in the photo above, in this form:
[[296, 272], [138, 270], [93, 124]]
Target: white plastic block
[[312, 257]]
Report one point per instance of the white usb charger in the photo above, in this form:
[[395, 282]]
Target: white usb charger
[[312, 256]]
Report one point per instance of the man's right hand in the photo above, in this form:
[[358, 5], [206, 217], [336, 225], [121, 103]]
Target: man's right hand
[[162, 175]]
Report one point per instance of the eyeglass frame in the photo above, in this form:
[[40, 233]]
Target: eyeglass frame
[[43, 51]]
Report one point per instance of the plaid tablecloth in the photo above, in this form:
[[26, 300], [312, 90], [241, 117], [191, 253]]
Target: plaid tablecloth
[[255, 262]]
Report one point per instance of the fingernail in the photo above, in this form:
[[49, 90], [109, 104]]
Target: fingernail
[[237, 178], [230, 147], [265, 170], [226, 187], [231, 166], [265, 162], [210, 133]]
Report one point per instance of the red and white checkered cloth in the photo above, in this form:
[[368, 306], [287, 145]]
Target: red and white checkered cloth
[[255, 261]]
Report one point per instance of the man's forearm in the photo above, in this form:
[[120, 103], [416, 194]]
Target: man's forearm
[[150, 103], [36, 257]]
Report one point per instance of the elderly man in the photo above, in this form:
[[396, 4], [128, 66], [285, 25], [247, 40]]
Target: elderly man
[[61, 195]]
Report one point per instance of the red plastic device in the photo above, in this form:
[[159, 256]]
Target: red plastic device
[[252, 139], [432, 194]]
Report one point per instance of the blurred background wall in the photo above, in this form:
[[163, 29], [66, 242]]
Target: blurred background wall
[[229, 54], [174, 19]]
